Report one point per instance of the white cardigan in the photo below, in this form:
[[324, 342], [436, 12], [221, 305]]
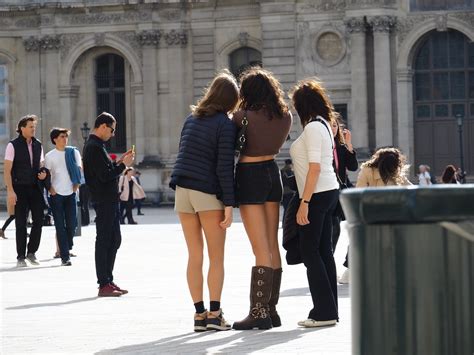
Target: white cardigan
[[138, 192]]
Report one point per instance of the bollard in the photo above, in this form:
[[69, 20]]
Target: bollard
[[411, 261]]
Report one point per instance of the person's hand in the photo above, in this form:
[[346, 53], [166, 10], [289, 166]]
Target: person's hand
[[42, 175], [347, 135], [52, 191], [302, 214], [128, 159], [227, 218], [75, 187], [11, 197], [120, 160]]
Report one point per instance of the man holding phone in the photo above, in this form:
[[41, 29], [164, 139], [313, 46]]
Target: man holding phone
[[102, 175]]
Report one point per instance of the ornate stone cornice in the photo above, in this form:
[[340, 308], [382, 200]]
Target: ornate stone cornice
[[383, 24], [69, 41], [153, 37], [467, 17], [45, 42], [325, 5], [355, 25], [404, 26], [106, 18]]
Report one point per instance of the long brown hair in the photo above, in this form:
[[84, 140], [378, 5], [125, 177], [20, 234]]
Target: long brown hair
[[310, 100], [338, 137], [222, 95], [449, 175], [391, 164], [259, 89]]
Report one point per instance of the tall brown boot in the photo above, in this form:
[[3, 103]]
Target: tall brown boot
[[260, 293], [276, 321]]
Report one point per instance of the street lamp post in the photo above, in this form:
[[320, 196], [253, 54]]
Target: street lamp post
[[85, 131], [459, 121]]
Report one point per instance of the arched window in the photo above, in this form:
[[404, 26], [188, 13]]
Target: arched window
[[110, 95], [443, 88], [243, 58], [3, 98]]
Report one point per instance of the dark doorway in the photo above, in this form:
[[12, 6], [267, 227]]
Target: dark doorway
[[110, 95], [244, 58], [443, 88]]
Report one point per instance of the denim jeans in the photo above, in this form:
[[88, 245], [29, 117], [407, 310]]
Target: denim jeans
[[65, 221]]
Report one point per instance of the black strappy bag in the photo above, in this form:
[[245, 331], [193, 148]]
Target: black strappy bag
[[241, 136]]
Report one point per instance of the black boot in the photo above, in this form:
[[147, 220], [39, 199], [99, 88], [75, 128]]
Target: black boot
[[260, 293], [276, 321]]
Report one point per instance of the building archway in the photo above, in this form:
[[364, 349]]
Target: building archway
[[243, 58], [443, 87]]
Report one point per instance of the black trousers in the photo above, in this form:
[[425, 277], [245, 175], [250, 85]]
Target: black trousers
[[107, 241], [316, 250], [29, 198], [336, 231]]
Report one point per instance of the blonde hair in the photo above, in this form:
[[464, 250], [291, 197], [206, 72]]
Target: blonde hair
[[222, 95]]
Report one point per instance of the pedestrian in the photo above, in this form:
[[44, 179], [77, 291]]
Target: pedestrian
[[138, 202], [23, 177], [259, 189], [203, 177], [102, 177], [449, 175], [312, 155], [10, 219], [130, 191], [424, 176], [345, 158], [432, 177], [64, 164], [287, 178]]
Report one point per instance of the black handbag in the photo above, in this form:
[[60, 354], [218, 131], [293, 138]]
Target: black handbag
[[241, 136]]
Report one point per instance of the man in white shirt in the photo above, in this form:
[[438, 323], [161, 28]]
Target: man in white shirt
[[424, 176], [64, 164]]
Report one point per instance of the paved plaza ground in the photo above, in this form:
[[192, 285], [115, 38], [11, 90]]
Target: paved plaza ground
[[49, 309]]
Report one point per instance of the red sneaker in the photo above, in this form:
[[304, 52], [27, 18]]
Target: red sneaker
[[109, 291], [124, 292]]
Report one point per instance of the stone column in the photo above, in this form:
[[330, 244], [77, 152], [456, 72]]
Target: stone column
[[382, 26], [359, 117], [405, 113], [137, 93], [67, 102]]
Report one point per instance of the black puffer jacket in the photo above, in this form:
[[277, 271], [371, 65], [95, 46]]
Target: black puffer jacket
[[205, 160]]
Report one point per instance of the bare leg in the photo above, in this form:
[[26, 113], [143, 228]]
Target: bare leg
[[254, 218], [194, 241], [272, 212], [215, 238]]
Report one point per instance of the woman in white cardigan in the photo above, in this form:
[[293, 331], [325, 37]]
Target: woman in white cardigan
[[127, 183], [312, 154]]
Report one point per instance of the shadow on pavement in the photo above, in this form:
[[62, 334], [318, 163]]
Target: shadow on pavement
[[28, 268], [51, 304], [342, 291], [239, 342]]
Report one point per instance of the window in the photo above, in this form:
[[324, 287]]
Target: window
[[110, 95], [430, 5], [3, 99], [243, 58], [443, 74]]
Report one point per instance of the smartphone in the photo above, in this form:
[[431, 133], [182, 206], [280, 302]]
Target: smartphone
[[133, 148]]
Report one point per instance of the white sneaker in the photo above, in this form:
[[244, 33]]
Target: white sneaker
[[344, 279], [311, 323]]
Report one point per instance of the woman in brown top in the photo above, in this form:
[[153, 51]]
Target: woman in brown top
[[259, 189]]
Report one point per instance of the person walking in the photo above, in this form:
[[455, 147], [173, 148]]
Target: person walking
[[313, 154], [101, 175], [203, 177], [259, 189], [139, 201], [64, 164], [449, 175], [130, 191], [22, 173], [424, 176], [10, 219]]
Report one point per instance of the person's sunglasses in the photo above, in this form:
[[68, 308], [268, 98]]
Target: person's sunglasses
[[112, 130]]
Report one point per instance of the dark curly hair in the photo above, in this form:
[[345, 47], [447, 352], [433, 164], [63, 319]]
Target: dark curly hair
[[391, 164], [310, 100], [449, 175], [259, 89]]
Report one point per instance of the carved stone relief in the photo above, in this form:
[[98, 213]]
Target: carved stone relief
[[69, 41], [442, 22], [108, 18], [325, 5], [45, 42], [243, 38], [99, 39], [383, 24], [153, 37], [356, 25]]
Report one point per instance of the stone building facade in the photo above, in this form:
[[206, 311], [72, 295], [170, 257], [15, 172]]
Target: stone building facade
[[399, 71]]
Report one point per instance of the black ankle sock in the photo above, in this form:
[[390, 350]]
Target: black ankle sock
[[215, 306], [199, 307]]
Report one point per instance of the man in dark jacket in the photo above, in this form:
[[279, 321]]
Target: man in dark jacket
[[23, 160], [102, 176]]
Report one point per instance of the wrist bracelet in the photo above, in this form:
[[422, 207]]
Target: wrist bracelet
[[305, 201]]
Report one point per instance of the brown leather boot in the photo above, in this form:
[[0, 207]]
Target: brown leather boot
[[260, 293], [276, 321]]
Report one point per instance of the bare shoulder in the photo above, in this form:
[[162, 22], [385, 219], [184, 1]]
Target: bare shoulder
[[238, 116]]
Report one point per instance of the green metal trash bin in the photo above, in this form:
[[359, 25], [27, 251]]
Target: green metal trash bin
[[411, 261]]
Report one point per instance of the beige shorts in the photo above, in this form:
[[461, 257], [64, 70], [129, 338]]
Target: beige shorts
[[192, 201]]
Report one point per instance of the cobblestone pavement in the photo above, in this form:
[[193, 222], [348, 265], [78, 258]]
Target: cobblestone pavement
[[50, 309]]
